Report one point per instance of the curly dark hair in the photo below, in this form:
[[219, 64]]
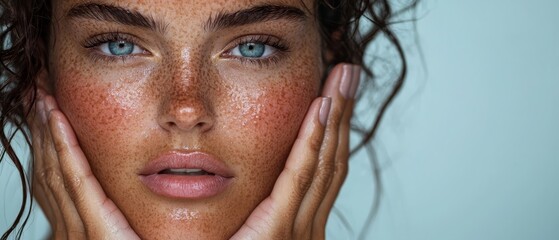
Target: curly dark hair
[[347, 27]]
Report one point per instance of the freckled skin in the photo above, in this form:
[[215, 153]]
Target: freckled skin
[[184, 95]]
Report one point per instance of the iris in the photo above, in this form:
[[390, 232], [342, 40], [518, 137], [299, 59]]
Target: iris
[[120, 48], [252, 50]]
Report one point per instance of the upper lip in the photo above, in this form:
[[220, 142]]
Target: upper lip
[[177, 159]]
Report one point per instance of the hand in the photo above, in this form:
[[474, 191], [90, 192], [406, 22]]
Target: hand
[[64, 185], [315, 170]]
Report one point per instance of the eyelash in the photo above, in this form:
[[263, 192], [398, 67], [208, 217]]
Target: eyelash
[[98, 40], [280, 47]]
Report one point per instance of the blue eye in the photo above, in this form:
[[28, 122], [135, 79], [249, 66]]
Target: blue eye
[[120, 48], [253, 50]]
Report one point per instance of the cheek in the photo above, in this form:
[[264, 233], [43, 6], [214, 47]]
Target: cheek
[[274, 115], [263, 126], [100, 113]]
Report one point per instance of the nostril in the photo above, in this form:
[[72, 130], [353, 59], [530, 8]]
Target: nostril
[[171, 125], [186, 119], [186, 112]]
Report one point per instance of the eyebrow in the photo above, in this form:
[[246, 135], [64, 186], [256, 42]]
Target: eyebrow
[[103, 12], [254, 15]]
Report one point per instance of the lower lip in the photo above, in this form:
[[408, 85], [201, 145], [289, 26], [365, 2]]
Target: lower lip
[[182, 186]]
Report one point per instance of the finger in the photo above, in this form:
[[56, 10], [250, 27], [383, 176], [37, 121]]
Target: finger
[[341, 163], [275, 215], [43, 172], [99, 214], [337, 87], [36, 144], [67, 219]]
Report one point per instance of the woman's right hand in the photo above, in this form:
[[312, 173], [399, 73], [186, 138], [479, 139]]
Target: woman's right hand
[[63, 184]]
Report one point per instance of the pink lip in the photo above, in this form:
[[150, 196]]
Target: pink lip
[[183, 186]]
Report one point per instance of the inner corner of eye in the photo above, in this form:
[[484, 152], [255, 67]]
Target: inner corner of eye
[[229, 53], [223, 54]]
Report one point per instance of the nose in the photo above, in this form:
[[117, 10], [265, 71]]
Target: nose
[[186, 105]]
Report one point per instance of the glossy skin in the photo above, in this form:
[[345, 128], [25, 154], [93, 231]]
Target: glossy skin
[[184, 93]]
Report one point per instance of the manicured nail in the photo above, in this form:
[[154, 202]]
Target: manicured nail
[[346, 81], [324, 110], [356, 80]]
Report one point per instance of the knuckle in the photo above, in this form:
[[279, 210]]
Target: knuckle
[[323, 178], [341, 168], [59, 146], [325, 172], [322, 184], [326, 167], [320, 189], [73, 186], [51, 178], [303, 178], [315, 143]]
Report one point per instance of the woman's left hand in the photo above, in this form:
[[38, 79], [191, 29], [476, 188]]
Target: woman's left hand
[[315, 170]]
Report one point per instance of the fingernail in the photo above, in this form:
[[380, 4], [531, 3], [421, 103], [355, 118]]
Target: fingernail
[[356, 80], [345, 85], [324, 110]]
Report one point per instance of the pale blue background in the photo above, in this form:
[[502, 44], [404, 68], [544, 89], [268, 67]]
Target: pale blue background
[[471, 148]]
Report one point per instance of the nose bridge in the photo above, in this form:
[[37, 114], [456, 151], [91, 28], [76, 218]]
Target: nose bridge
[[187, 104]]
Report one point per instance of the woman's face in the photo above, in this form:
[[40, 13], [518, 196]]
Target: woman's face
[[153, 88]]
